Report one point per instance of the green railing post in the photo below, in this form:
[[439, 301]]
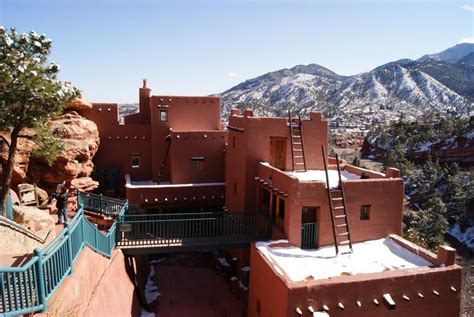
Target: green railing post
[[40, 282], [68, 238]]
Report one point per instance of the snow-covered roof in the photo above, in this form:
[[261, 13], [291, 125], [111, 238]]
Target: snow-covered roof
[[368, 257], [320, 175]]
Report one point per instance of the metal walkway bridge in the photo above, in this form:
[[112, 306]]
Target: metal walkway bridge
[[190, 231]]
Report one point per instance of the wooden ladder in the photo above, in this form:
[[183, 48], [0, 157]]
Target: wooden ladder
[[297, 144], [165, 157], [337, 205]]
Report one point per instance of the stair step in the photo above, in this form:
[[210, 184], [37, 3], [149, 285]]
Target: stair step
[[340, 216], [341, 225], [343, 234]]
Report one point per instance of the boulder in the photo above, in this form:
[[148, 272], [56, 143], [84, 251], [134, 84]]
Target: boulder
[[84, 184], [80, 139], [78, 104], [34, 219]]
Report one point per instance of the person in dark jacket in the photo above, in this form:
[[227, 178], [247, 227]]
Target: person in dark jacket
[[61, 203]]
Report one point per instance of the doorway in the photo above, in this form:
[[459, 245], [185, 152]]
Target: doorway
[[309, 227], [278, 152]]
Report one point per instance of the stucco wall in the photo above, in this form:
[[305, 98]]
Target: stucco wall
[[275, 292]]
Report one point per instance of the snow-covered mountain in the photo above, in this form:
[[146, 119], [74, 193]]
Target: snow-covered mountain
[[355, 102]]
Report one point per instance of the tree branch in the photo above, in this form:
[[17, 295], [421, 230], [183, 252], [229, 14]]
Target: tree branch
[[5, 140], [24, 136]]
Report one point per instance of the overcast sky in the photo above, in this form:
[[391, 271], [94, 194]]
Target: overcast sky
[[202, 47]]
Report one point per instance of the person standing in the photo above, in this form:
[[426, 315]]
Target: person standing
[[61, 203]]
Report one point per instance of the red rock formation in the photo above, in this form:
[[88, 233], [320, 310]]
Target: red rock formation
[[80, 140]]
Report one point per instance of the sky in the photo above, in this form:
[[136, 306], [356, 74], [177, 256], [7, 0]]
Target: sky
[[201, 47]]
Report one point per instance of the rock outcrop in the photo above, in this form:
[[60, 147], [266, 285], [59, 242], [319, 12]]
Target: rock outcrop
[[34, 219], [80, 139]]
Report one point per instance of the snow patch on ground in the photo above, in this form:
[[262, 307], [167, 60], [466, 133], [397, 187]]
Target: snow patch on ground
[[368, 257], [466, 237], [320, 175], [151, 292]]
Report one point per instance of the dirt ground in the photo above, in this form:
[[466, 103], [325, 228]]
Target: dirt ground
[[193, 284]]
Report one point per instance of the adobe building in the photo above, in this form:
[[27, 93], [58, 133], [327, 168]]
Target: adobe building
[[169, 155], [336, 248], [373, 272]]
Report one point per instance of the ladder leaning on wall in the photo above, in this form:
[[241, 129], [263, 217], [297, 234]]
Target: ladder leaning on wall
[[297, 144], [337, 206], [165, 157]]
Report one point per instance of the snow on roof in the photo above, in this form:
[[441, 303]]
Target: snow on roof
[[368, 257], [320, 175]]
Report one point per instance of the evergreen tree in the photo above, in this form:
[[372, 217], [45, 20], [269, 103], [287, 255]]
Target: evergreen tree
[[433, 224], [30, 93]]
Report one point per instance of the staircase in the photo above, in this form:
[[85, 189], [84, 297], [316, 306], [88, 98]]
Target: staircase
[[337, 205], [297, 145], [165, 157]]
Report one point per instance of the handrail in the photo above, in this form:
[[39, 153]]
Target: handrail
[[27, 289], [15, 226]]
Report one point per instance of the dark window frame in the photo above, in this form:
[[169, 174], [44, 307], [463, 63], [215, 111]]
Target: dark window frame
[[365, 212]]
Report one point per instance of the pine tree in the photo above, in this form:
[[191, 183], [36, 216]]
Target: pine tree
[[30, 93], [433, 224]]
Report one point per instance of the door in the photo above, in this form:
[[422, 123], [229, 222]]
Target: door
[[278, 153], [309, 228]]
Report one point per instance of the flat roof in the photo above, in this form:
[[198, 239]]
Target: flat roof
[[320, 175], [368, 257]]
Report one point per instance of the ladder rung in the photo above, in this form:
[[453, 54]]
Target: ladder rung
[[340, 216], [345, 242], [336, 198], [299, 170], [343, 234], [341, 225], [299, 163], [297, 150], [347, 252], [338, 207], [298, 156]]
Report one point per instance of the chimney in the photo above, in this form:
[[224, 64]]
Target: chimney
[[144, 100]]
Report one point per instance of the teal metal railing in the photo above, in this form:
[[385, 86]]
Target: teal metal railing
[[107, 206], [165, 232], [27, 289], [9, 210], [309, 235]]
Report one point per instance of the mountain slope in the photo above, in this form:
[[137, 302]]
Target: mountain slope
[[452, 54], [404, 87]]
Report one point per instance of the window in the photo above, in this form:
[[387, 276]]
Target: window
[[365, 212], [196, 163], [135, 161], [163, 115], [281, 213]]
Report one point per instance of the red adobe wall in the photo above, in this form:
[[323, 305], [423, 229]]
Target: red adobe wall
[[207, 144], [385, 195], [252, 145], [275, 291], [265, 287], [184, 114], [118, 142], [178, 196]]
